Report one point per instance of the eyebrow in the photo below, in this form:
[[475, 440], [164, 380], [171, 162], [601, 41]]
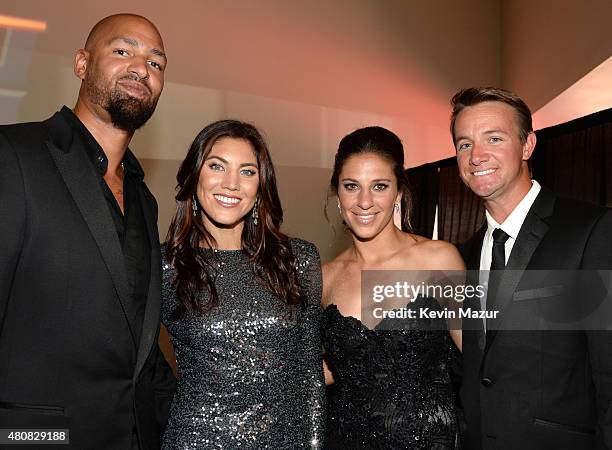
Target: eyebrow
[[134, 43], [458, 138], [227, 162], [373, 181]]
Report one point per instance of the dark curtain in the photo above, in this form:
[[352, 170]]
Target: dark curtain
[[574, 159], [424, 189], [460, 212]]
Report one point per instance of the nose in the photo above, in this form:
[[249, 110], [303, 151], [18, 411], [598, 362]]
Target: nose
[[478, 154], [139, 67], [364, 201], [231, 180]]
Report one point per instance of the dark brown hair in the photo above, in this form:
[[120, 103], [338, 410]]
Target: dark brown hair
[[384, 143], [475, 95], [269, 250]]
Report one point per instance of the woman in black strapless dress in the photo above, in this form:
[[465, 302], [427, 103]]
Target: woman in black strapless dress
[[391, 388]]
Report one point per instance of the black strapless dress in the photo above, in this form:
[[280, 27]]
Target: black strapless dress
[[392, 389]]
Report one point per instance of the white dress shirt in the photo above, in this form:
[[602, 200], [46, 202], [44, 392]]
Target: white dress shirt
[[512, 225]]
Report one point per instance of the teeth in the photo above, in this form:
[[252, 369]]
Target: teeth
[[225, 199], [365, 217], [484, 172]]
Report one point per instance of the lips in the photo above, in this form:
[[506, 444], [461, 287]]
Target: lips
[[482, 173], [225, 201], [136, 88], [364, 219]]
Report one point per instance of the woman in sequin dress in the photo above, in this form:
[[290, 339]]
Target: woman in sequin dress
[[391, 389], [241, 302]]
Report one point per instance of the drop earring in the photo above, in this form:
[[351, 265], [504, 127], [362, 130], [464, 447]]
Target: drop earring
[[194, 205], [396, 207], [340, 212], [256, 212]]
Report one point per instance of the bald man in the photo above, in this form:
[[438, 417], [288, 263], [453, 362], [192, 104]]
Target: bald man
[[80, 259]]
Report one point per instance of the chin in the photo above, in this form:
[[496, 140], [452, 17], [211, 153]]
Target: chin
[[483, 191], [223, 221], [365, 233]]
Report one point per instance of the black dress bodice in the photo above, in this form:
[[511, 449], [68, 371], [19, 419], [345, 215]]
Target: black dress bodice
[[391, 389]]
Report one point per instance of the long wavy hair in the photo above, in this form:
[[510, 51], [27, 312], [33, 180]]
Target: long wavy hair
[[382, 142], [268, 249]]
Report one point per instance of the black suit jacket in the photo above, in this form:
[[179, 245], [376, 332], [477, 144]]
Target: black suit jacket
[[535, 389], [68, 357]]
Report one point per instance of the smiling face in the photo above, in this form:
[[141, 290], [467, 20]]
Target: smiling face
[[367, 192], [491, 158], [228, 184], [122, 69]]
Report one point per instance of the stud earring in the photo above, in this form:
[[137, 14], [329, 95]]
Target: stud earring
[[194, 205], [396, 207]]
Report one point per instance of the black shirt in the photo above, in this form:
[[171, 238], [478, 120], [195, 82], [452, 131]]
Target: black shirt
[[130, 225]]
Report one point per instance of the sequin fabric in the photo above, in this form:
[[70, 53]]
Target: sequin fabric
[[392, 389], [250, 370]]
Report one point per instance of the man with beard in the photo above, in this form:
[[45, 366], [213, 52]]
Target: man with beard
[[79, 256]]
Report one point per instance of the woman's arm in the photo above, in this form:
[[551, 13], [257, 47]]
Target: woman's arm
[[310, 279]]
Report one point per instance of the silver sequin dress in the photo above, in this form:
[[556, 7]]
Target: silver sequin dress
[[250, 370]]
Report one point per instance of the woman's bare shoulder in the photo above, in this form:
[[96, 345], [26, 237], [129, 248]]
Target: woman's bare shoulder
[[435, 254]]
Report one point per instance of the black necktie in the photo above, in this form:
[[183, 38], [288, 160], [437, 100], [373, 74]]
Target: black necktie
[[498, 262], [498, 259]]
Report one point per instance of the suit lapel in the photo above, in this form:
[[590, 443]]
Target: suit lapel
[[82, 183], [150, 324], [532, 232]]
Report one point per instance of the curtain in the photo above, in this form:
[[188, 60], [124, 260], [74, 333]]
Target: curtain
[[424, 189], [460, 212], [574, 159]]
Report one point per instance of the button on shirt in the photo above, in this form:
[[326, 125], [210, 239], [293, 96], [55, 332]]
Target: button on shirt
[[512, 225]]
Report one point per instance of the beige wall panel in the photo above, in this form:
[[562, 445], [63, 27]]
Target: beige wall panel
[[547, 45]]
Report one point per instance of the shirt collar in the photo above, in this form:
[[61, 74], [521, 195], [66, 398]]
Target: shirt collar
[[513, 223], [94, 150]]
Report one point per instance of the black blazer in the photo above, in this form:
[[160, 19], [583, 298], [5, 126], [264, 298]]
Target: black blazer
[[67, 355], [535, 389]]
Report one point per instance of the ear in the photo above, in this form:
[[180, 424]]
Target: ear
[[529, 146], [398, 199], [81, 57]]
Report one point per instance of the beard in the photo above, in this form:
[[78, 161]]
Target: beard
[[129, 113], [126, 112]]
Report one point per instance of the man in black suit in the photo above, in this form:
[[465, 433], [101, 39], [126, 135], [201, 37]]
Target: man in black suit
[[535, 388], [80, 270]]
